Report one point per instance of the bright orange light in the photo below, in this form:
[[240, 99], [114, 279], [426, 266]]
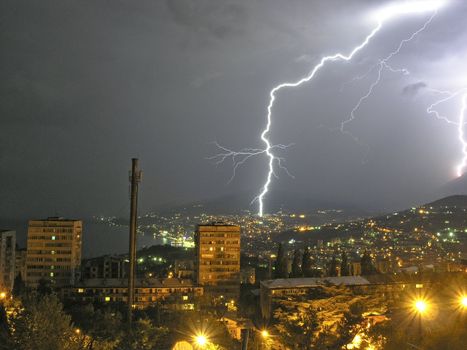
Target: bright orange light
[[464, 301], [264, 333], [421, 306], [201, 340], [2, 295]]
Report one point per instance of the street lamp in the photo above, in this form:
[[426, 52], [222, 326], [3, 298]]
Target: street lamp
[[463, 301], [420, 307], [265, 334], [201, 340]]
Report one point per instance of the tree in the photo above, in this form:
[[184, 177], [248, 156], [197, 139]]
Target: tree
[[332, 268], [281, 270], [325, 318], [298, 327], [344, 265], [143, 336], [43, 287], [306, 262], [367, 264], [296, 268], [19, 286], [5, 339], [101, 329], [41, 324]]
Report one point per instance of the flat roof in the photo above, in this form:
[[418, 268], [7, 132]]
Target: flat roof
[[308, 282], [139, 283]]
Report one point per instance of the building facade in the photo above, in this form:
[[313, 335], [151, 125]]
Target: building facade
[[104, 267], [171, 292], [217, 263], [7, 260], [53, 251]]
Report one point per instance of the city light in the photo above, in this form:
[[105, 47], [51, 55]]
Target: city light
[[421, 306], [201, 340], [2, 295], [463, 301], [265, 333]]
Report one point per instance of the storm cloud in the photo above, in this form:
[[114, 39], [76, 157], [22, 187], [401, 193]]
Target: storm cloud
[[86, 85]]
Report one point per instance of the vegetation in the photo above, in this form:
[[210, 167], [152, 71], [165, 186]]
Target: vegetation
[[327, 318], [281, 270]]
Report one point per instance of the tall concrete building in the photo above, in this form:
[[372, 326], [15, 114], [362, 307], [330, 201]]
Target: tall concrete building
[[7, 260], [218, 260], [53, 251]]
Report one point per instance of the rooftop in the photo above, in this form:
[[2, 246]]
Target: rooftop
[[307, 282], [139, 283]]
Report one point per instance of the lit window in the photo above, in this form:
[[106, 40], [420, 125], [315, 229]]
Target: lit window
[[107, 299], [51, 274], [185, 297], [80, 290], [53, 238]]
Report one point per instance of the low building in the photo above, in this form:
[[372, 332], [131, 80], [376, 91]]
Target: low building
[[184, 269], [299, 287], [174, 292], [7, 260], [235, 326], [104, 267]]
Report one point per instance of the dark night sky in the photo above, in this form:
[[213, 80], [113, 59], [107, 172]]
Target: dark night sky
[[85, 85]]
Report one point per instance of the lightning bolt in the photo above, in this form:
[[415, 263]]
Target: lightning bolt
[[387, 13], [460, 124], [272, 99], [239, 158], [463, 163], [380, 66]]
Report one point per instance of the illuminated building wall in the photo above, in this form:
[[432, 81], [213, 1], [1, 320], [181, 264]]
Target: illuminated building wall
[[218, 260], [53, 251]]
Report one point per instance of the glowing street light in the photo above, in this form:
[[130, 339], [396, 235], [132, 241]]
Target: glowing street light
[[463, 301], [265, 333], [421, 306], [201, 340]]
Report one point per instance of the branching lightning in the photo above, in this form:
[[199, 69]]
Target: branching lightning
[[399, 9], [463, 163], [380, 66], [238, 158], [460, 123]]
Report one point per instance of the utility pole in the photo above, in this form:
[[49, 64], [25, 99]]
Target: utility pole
[[135, 178]]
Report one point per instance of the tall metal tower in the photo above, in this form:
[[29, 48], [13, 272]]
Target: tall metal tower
[[135, 178]]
